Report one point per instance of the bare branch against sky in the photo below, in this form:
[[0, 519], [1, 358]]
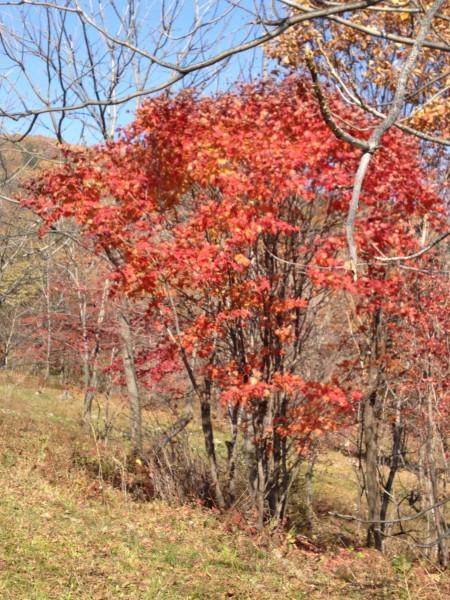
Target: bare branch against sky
[[74, 67]]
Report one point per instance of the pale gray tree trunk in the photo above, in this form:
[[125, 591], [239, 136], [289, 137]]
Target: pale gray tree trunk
[[92, 383], [127, 353]]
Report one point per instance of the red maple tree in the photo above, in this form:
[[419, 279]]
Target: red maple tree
[[225, 214]]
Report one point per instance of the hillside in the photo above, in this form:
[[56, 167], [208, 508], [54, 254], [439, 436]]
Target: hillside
[[19, 158], [67, 535]]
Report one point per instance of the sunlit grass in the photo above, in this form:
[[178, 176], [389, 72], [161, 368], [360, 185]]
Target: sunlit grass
[[67, 535]]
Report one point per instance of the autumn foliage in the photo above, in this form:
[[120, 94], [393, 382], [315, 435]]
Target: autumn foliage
[[359, 54], [223, 218]]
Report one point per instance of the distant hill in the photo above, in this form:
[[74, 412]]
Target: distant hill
[[19, 157]]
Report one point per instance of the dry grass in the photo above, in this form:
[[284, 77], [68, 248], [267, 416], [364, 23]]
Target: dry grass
[[66, 535]]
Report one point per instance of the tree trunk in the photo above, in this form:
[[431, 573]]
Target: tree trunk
[[127, 351], [208, 435], [233, 411], [92, 383], [370, 427], [374, 537], [397, 436], [440, 524], [49, 323], [309, 488], [260, 425]]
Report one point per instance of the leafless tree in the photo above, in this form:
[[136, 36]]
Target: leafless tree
[[83, 62]]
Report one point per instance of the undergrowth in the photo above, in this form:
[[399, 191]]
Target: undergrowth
[[75, 523]]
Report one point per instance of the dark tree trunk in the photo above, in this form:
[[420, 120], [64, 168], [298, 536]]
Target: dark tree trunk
[[370, 429], [208, 435], [397, 443], [233, 411]]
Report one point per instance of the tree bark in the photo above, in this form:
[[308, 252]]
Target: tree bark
[[374, 537], [370, 427], [127, 352], [233, 411], [92, 383], [440, 525], [208, 435], [397, 436]]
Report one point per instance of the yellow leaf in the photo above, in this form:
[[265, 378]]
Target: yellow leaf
[[240, 259]]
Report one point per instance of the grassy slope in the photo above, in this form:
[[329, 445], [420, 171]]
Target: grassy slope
[[63, 536]]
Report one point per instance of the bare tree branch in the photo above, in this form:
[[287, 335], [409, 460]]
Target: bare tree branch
[[391, 521], [385, 125]]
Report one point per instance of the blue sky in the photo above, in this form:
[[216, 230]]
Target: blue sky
[[28, 81]]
